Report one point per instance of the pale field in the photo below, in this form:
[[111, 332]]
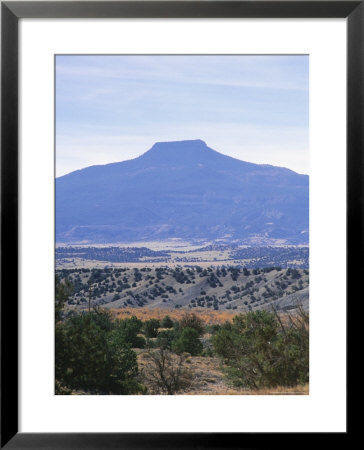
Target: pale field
[[174, 247], [81, 263], [203, 255], [180, 245], [295, 262], [172, 244]]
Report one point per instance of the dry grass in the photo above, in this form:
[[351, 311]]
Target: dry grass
[[209, 317], [209, 379], [281, 390], [81, 263]]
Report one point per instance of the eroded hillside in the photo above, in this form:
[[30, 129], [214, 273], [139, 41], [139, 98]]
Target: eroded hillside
[[229, 288]]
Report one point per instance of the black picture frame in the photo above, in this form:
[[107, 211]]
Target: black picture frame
[[11, 12]]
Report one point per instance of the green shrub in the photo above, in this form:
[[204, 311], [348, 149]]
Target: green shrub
[[207, 352], [92, 357], [262, 352], [165, 338], [188, 341], [126, 331], [151, 328], [192, 321], [167, 322], [63, 291]]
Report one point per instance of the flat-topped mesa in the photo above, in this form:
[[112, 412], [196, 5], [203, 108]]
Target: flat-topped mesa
[[184, 190], [178, 150], [196, 143]]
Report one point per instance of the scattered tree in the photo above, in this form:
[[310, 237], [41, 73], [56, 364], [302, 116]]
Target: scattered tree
[[167, 322], [165, 372], [151, 328], [192, 321]]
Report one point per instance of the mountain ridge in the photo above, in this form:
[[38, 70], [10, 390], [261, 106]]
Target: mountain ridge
[[181, 189], [158, 145]]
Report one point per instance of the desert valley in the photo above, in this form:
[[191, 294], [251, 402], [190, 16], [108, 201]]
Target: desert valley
[[168, 258]]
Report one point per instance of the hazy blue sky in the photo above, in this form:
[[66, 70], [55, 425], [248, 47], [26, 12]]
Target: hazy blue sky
[[112, 108]]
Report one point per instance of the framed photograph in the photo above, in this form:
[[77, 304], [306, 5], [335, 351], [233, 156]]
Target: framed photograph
[[181, 215]]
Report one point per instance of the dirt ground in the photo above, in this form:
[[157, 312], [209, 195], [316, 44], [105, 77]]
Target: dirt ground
[[209, 379]]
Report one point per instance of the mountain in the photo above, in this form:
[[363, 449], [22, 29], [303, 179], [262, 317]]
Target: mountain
[[185, 190]]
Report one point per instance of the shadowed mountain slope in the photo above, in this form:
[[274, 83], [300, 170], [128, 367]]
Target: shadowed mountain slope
[[182, 190]]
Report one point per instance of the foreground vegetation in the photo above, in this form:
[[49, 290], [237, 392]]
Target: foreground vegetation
[[97, 353]]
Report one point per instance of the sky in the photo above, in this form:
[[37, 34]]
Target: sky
[[113, 108]]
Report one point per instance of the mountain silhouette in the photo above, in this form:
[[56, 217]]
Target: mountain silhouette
[[186, 190]]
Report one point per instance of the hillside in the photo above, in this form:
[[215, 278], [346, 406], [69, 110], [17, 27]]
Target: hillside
[[229, 288], [182, 190]]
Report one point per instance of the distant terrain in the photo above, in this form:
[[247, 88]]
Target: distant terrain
[[217, 255], [183, 190], [184, 227], [191, 288]]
